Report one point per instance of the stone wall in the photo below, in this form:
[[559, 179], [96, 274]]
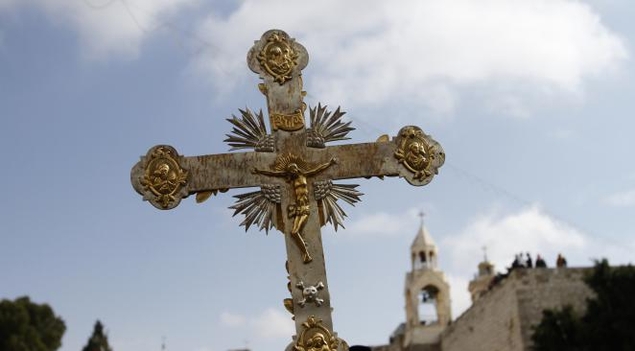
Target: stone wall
[[490, 324], [541, 289], [503, 319]]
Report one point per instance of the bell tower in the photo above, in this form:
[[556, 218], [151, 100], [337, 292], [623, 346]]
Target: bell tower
[[481, 282], [427, 294]]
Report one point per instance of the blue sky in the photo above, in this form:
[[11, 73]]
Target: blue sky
[[532, 101]]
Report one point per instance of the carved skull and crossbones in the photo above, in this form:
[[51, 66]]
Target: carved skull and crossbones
[[309, 293]]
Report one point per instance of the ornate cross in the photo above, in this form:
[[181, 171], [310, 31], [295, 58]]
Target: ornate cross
[[294, 171]]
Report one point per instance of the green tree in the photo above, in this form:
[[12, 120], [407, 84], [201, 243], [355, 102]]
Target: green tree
[[610, 318], [99, 340], [27, 326], [609, 321], [559, 330]]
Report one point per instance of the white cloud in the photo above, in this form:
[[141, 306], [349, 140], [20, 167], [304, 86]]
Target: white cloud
[[108, 28], [273, 324], [421, 52], [622, 199], [530, 230], [509, 105], [380, 224], [270, 324], [232, 320]]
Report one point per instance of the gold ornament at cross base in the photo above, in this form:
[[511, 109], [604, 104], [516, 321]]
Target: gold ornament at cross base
[[316, 337]]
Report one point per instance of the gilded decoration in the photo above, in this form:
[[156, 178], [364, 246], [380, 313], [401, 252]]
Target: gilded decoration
[[278, 58], [316, 337], [413, 151], [289, 122], [295, 170], [163, 176]]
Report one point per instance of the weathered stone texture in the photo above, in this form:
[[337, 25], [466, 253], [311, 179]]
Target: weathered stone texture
[[491, 324], [503, 319], [541, 289]]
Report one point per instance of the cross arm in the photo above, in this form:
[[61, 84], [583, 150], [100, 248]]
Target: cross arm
[[412, 155], [163, 177], [363, 160]]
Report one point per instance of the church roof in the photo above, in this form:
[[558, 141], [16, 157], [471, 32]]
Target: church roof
[[423, 238]]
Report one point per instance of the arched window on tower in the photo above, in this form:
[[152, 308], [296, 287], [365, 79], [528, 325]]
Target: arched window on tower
[[422, 262], [428, 305]]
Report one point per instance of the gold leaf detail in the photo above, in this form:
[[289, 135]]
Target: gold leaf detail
[[316, 337], [414, 152], [278, 58], [289, 122], [204, 195], [163, 176]]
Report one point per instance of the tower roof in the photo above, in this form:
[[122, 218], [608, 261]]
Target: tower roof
[[423, 251], [423, 238]]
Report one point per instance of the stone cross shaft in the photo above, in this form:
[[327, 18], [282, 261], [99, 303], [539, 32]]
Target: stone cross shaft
[[295, 171]]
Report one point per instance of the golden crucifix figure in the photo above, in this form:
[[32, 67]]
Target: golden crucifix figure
[[294, 171]]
